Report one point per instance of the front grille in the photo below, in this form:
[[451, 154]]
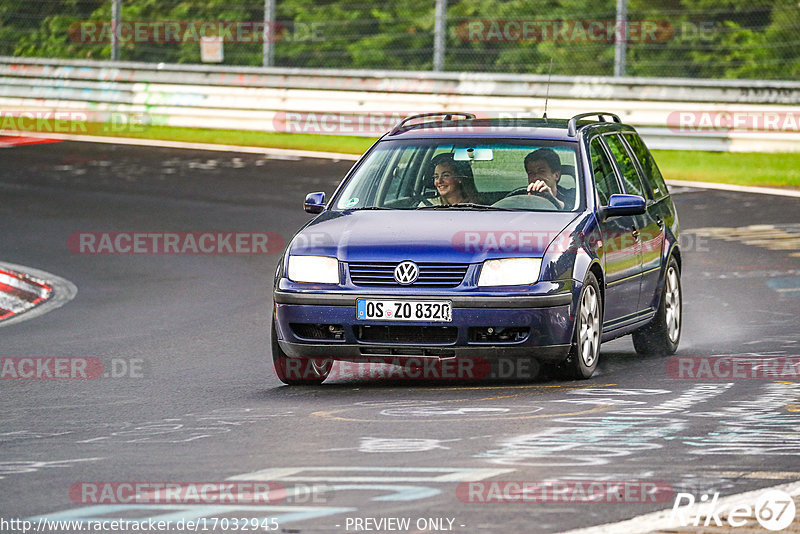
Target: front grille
[[430, 274], [406, 334]]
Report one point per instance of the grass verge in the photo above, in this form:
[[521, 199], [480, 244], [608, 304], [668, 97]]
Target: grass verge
[[777, 169]]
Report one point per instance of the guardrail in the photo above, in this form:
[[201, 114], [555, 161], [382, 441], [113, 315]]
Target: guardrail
[[369, 102]]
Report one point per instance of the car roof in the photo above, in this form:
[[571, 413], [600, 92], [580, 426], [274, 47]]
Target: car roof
[[469, 126]]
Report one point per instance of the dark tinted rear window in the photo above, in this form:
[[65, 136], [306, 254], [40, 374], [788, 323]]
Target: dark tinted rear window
[[605, 181], [652, 174], [630, 176]]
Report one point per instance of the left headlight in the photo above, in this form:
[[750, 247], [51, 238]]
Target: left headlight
[[510, 272], [313, 269]]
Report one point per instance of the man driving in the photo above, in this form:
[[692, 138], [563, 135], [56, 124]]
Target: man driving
[[543, 167]]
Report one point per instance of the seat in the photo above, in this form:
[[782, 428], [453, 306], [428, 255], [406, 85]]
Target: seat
[[568, 177]]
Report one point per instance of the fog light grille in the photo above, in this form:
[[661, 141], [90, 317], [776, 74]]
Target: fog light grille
[[498, 334], [317, 331]]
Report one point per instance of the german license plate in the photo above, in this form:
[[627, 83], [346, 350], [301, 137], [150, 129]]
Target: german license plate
[[439, 311]]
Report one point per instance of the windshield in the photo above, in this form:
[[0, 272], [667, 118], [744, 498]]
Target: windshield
[[487, 175]]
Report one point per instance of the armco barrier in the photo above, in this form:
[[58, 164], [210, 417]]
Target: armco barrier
[[257, 98]]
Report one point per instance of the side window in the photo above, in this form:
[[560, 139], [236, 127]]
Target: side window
[[652, 174], [630, 177], [604, 180], [399, 175]]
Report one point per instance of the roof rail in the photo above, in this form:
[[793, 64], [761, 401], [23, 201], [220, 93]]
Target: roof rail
[[573, 122], [448, 116]]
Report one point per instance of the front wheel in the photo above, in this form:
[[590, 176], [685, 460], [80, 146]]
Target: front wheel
[[661, 336], [585, 350], [298, 371]]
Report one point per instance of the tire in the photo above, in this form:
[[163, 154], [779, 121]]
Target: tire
[[585, 350], [661, 336], [298, 371]]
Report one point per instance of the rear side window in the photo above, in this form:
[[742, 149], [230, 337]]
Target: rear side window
[[605, 182], [651, 172], [630, 176]]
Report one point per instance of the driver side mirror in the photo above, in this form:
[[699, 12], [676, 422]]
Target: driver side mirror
[[315, 202], [623, 205]]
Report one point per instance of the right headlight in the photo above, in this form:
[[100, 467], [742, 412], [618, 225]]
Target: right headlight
[[510, 272], [313, 269]]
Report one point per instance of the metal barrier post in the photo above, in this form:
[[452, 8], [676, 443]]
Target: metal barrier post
[[269, 33], [439, 34], [116, 17], [621, 38]]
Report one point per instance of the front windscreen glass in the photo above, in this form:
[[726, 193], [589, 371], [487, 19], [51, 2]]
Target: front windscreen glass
[[457, 174]]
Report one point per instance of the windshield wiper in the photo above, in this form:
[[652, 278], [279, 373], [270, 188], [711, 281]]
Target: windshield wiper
[[468, 205], [367, 208]]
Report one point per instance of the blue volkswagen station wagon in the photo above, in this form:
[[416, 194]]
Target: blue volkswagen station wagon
[[456, 237]]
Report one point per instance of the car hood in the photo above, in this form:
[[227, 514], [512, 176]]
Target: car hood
[[463, 236]]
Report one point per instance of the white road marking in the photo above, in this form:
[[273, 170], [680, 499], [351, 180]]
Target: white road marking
[[760, 475], [384, 474]]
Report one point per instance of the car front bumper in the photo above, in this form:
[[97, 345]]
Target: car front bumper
[[544, 323]]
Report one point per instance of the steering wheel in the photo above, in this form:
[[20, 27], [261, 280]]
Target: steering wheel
[[422, 199], [524, 191]]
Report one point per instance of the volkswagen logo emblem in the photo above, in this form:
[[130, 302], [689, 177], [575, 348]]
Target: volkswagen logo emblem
[[406, 273]]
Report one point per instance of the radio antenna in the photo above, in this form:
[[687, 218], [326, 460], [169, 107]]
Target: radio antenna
[[547, 94]]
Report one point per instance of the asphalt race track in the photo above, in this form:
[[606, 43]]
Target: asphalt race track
[[192, 396]]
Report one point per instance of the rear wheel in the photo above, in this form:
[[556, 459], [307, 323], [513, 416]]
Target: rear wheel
[[585, 350], [298, 371], [662, 335]]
